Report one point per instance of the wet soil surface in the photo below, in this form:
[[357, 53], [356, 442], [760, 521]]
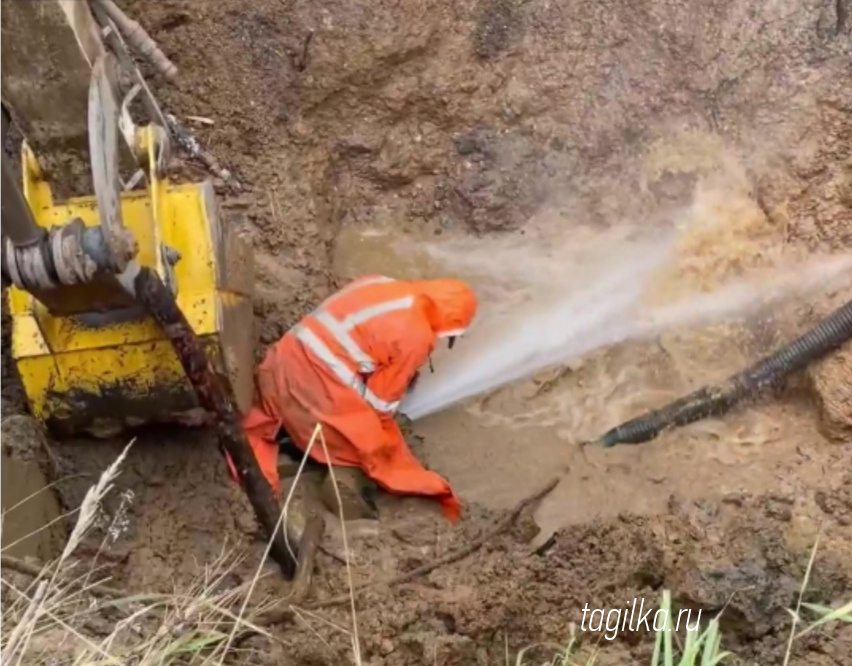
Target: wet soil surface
[[738, 555], [468, 118]]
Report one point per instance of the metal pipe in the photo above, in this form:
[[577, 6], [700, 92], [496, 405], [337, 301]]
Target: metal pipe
[[148, 289], [68, 254]]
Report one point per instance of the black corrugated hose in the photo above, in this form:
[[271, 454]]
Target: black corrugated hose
[[825, 337]]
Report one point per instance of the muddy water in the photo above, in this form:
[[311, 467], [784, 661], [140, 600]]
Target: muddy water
[[548, 389], [387, 250], [29, 508]]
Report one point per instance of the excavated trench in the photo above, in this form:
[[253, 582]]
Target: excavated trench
[[501, 141]]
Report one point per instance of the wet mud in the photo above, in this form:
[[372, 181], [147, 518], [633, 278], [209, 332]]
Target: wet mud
[[745, 555]]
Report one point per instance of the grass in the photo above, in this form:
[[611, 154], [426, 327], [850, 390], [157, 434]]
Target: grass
[[169, 629], [57, 618], [703, 647], [50, 621]]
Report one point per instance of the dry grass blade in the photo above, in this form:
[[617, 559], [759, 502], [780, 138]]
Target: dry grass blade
[[280, 615], [40, 529], [41, 490], [796, 614], [48, 607], [282, 518], [827, 615], [356, 641], [91, 505], [175, 628], [499, 525], [95, 589], [25, 625], [48, 594]]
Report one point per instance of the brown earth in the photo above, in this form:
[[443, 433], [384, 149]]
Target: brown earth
[[468, 118]]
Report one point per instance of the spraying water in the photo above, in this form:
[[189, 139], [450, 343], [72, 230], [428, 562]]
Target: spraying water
[[605, 309]]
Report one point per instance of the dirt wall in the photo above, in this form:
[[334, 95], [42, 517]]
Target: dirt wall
[[469, 117], [473, 116]]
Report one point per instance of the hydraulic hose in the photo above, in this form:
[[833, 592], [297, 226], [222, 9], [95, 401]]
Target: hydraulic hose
[[716, 400], [140, 40]]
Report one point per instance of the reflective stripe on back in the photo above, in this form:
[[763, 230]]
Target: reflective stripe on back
[[339, 332], [365, 314], [365, 282], [341, 370]]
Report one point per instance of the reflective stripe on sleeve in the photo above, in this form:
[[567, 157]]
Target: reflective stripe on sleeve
[[381, 405], [340, 329]]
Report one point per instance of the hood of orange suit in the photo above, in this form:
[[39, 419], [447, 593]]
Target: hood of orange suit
[[453, 303]]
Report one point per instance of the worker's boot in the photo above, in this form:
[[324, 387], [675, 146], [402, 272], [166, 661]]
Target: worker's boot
[[290, 458], [357, 494]]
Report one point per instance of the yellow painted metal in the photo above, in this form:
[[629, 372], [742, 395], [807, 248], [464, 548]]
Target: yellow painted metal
[[102, 372]]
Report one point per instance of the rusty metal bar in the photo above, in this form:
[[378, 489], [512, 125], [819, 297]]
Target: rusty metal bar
[[18, 221], [149, 290]]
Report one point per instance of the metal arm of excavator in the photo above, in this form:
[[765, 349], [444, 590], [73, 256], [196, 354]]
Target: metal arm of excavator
[[59, 80], [18, 223], [61, 86]]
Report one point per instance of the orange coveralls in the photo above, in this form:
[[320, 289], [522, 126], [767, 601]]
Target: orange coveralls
[[346, 366]]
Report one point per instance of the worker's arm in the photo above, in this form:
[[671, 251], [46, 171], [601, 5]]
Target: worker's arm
[[389, 461], [392, 380]]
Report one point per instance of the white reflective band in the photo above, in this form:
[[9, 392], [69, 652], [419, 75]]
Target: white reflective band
[[453, 333], [358, 318], [338, 330], [343, 373], [338, 367], [365, 282], [375, 279], [380, 405]]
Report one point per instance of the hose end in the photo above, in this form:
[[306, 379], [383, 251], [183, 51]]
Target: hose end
[[610, 438]]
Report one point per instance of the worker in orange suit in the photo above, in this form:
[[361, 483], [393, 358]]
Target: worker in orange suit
[[347, 365]]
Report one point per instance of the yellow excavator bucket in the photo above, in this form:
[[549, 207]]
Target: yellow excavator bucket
[[110, 368]]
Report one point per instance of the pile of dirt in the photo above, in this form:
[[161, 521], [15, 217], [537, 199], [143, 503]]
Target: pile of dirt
[[832, 384], [468, 118], [745, 556], [472, 116]]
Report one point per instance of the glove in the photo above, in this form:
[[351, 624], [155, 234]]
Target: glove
[[413, 381]]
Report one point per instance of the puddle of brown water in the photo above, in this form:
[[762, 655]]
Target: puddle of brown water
[[28, 508], [491, 459], [363, 250], [500, 447]]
